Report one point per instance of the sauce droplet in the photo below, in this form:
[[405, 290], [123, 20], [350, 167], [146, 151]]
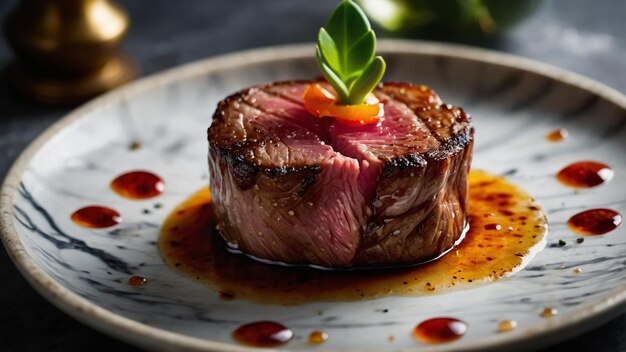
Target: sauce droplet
[[549, 312], [557, 135], [506, 325], [263, 334], [440, 330], [138, 185], [585, 174], [496, 227], [595, 221], [134, 145], [137, 280], [227, 295], [96, 217], [317, 337]]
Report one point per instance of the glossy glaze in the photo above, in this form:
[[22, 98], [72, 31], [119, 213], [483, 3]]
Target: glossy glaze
[[585, 174], [138, 185], [263, 334], [189, 243], [96, 217], [137, 280], [595, 221], [557, 135], [440, 330]]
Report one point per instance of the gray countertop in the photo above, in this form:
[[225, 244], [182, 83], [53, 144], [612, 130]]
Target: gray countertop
[[588, 37]]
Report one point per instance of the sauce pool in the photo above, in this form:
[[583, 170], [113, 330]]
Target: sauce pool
[[263, 334], [595, 221], [507, 227], [96, 217], [585, 174], [138, 185]]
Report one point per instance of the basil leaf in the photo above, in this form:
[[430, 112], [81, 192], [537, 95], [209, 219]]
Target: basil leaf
[[332, 78], [362, 52], [368, 80], [328, 48]]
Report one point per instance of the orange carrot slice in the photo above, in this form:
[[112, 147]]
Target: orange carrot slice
[[322, 103]]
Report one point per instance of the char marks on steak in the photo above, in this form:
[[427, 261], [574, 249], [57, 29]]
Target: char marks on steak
[[294, 188]]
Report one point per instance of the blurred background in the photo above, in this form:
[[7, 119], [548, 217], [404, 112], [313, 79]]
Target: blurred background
[[587, 37]]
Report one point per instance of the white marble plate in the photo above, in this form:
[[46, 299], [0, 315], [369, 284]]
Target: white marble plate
[[514, 102]]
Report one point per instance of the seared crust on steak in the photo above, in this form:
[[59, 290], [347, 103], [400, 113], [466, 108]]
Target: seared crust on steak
[[298, 189]]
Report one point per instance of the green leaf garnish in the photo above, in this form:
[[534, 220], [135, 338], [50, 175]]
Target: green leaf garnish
[[345, 53]]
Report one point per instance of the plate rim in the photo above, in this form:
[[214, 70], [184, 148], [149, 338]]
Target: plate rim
[[126, 329]]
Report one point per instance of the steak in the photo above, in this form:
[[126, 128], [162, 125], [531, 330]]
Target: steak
[[293, 188]]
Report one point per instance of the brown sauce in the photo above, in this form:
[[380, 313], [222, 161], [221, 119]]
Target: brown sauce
[[549, 312], [137, 280], [96, 217], [263, 334], [585, 174], [317, 337], [189, 244], [507, 325], [595, 221], [138, 185], [557, 135], [440, 330]]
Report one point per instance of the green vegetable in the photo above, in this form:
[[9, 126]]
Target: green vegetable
[[345, 54]]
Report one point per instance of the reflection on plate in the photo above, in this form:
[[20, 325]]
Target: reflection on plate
[[158, 124]]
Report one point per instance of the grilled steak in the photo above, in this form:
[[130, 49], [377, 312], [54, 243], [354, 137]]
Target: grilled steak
[[293, 188]]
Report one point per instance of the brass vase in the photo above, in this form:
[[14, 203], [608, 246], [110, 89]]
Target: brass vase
[[67, 50]]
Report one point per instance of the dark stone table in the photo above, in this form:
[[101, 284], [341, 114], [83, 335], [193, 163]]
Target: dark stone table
[[588, 37]]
